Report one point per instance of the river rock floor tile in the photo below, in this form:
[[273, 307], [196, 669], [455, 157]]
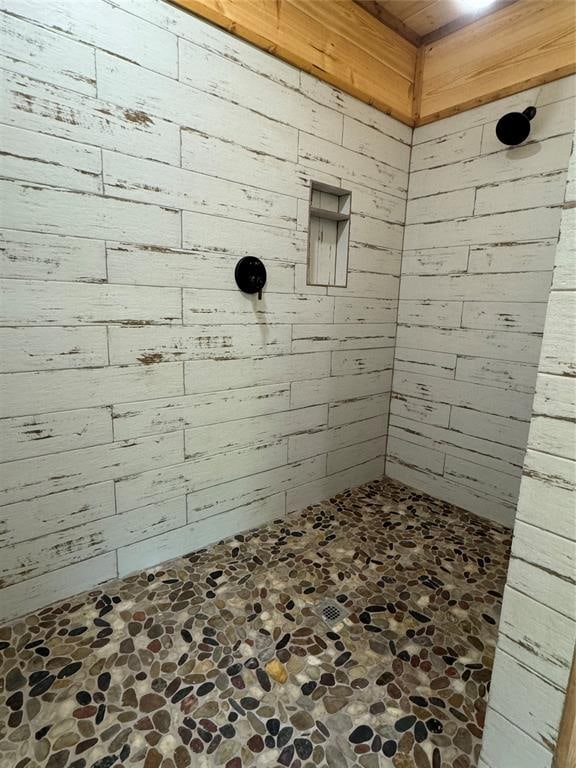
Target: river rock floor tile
[[219, 658]]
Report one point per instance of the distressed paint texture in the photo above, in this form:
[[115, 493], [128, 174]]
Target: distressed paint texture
[[482, 224], [538, 623], [144, 153]]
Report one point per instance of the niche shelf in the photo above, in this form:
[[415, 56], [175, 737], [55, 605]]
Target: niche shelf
[[328, 235]]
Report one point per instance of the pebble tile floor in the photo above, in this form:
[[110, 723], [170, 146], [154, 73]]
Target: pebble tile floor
[[168, 668]]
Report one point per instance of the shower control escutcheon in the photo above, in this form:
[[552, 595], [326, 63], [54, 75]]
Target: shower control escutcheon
[[250, 275]]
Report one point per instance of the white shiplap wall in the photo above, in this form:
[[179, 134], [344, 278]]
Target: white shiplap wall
[[538, 625], [148, 408], [482, 224]]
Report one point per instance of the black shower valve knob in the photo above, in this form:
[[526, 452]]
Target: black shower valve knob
[[250, 275]]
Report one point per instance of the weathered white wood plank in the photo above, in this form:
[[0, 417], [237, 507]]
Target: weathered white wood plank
[[435, 261], [536, 223], [351, 310], [213, 375], [32, 594], [565, 262], [411, 454], [321, 155], [402, 406], [104, 26], [227, 79], [489, 426], [555, 397], [336, 388], [355, 409], [50, 514], [373, 143], [167, 414], [199, 534], [545, 644], [441, 207], [25, 436], [501, 737], [498, 345], [497, 373], [370, 231], [370, 285], [553, 434], [39, 53], [444, 314], [72, 545], [165, 185], [362, 361], [267, 428], [147, 92], [40, 476], [228, 495], [35, 302], [303, 496], [215, 307], [154, 344], [344, 458], [525, 287], [214, 235], [64, 212], [313, 443], [557, 354], [165, 482], [40, 349], [451, 148], [45, 391], [316, 338], [535, 256], [547, 493], [542, 566], [34, 256], [485, 480], [375, 203], [532, 192], [35, 157], [48, 109], [526, 317], [422, 361]]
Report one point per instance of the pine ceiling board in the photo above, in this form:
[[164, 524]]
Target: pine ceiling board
[[337, 41], [435, 15], [522, 45]]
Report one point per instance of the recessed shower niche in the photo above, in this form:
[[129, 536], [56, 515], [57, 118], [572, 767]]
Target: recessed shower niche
[[328, 235]]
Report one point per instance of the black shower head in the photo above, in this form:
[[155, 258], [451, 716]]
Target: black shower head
[[514, 127]]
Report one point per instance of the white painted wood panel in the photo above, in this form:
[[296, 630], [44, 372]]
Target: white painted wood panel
[[64, 212], [501, 738], [534, 256], [497, 373], [452, 148], [369, 141], [490, 426], [199, 534], [419, 410], [49, 160], [532, 192], [154, 344], [362, 361], [526, 317], [29, 478], [147, 417], [228, 495], [333, 388], [444, 314], [565, 263], [421, 361], [442, 207], [525, 287], [354, 409], [34, 302], [213, 375], [35, 256], [485, 480], [147, 92], [215, 307], [411, 454], [553, 434], [555, 397], [49, 514], [435, 261], [45, 391], [317, 338], [33, 594], [30, 50], [165, 185], [25, 436], [547, 493], [368, 285], [351, 310], [321, 441], [344, 458], [375, 203], [557, 355], [48, 109], [165, 482], [37, 349]]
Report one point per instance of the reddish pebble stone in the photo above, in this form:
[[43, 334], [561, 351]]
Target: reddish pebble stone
[[255, 743], [361, 749], [197, 746], [84, 745], [139, 616], [82, 712], [425, 666], [236, 762], [237, 682], [208, 725], [451, 672], [188, 704], [154, 646], [144, 724]]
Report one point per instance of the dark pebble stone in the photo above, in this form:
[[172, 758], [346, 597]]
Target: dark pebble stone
[[303, 748], [420, 616], [42, 732], [248, 702], [434, 725], [105, 762], [385, 678], [273, 726], [360, 734], [15, 701], [376, 608], [125, 752], [404, 656], [234, 669], [436, 758], [420, 701], [100, 714], [372, 628], [4, 645], [307, 688], [83, 698], [365, 617], [327, 679], [181, 694], [284, 736], [342, 659], [269, 741], [104, 681], [15, 719], [204, 689], [42, 686], [264, 680], [389, 748], [405, 723], [186, 636], [228, 731], [283, 642], [232, 717], [69, 669], [32, 644], [77, 631], [252, 663], [376, 745], [488, 619], [80, 763], [420, 732], [205, 735], [42, 651], [285, 757], [437, 702]]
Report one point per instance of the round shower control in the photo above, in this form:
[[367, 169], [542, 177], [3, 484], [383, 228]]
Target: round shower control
[[250, 275]]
